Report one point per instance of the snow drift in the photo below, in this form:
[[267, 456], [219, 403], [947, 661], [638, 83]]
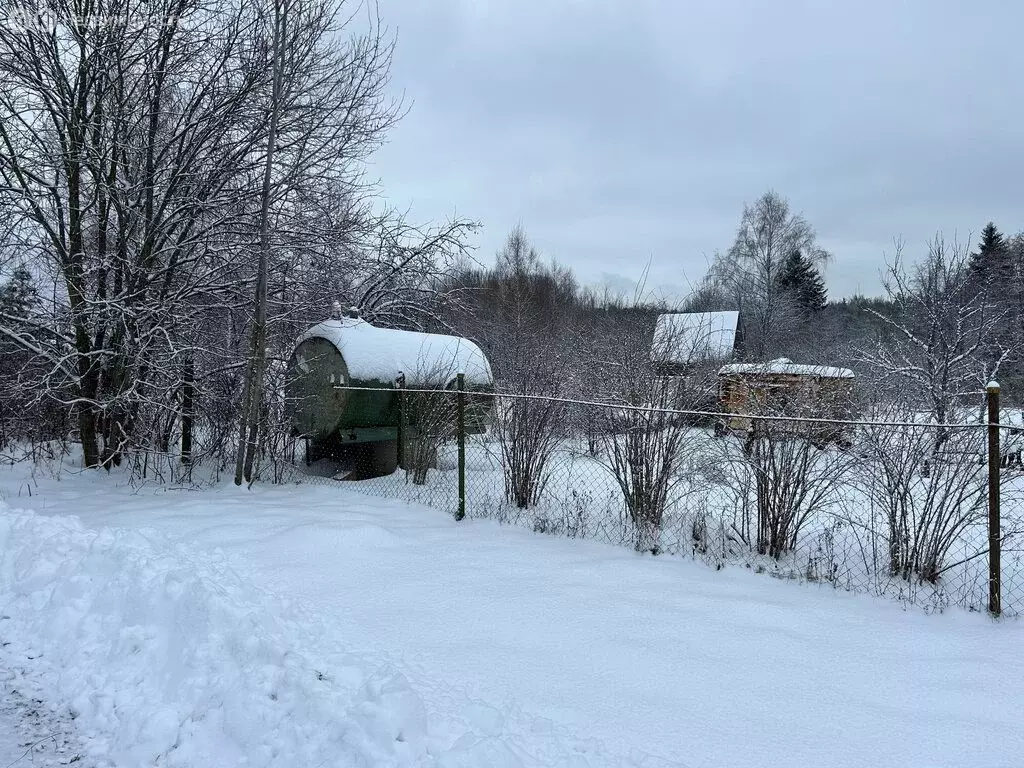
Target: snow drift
[[166, 657]]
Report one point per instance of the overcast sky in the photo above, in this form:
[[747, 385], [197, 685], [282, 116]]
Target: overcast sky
[[619, 131]]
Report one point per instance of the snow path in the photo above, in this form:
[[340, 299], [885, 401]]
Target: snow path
[[656, 655], [11, 748], [29, 735]]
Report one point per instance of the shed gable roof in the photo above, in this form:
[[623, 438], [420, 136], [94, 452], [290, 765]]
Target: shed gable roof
[[690, 337]]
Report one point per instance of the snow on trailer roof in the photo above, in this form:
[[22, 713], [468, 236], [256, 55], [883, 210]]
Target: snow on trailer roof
[[784, 366], [686, 337], [381, 354]]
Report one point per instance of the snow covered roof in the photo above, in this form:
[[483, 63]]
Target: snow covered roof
[[785, 366], [686, 337], [381, 354]]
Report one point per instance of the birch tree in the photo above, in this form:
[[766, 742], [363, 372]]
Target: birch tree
[[749, 273]]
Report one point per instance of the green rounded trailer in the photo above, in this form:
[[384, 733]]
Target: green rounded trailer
[[336, 357]]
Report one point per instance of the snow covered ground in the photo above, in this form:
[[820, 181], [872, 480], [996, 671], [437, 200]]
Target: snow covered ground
[[299, 625], [31, 733], [844, 540]]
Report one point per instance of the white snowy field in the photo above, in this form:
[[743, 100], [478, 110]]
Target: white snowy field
[[842, 541], [328, 627]]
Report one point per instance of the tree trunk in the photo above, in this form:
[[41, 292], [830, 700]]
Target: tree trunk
[[88, 435], [188, 394], [252, 396], [88, 390]]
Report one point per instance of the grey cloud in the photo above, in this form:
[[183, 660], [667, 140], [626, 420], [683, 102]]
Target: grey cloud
[[621, 132]]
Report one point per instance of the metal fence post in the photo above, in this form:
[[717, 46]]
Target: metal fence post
[[460, 426], [400, 384], [994, 586]]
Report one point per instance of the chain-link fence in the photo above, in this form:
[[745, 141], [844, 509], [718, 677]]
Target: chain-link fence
[[898, 507]]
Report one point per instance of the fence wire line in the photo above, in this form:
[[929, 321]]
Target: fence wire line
[[846, 539], [681, 412]]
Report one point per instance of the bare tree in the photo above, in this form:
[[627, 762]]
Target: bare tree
[[134, 167], [530, 432], [522, 314], [941, 346], [124, 136], [644, 451], [749, 273], [325, 111], [928, 500], [93, 145], [793, 480], [402, 280], [788, 467], [646, 446], [250, 405], [428, 416]]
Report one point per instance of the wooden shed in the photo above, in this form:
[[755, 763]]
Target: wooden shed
[[784, 388]]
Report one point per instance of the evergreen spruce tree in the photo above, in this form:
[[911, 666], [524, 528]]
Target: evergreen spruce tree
[[18, 300], [18, 294], [800, 279], [991, 262]]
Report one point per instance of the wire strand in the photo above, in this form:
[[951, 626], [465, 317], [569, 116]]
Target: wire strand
[[681, 412]]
